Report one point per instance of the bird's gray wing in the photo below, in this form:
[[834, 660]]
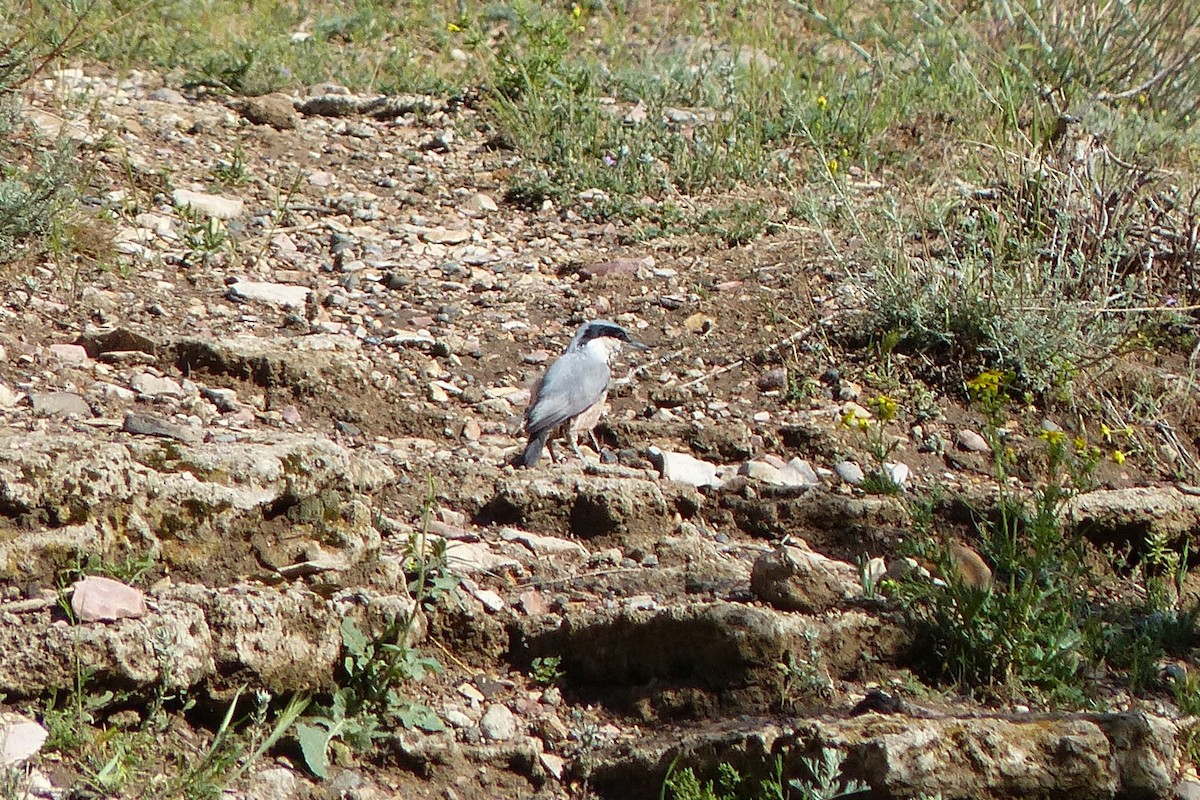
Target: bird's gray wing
[[572, 384]]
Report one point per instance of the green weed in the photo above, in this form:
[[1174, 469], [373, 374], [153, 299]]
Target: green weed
[[547, 670], [374, 670], [823, 780], [880, 444]]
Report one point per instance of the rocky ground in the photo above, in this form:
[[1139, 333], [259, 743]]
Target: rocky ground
[[313, 340]]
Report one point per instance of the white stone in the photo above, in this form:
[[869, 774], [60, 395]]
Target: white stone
[[276, 294], [154, 386], [543, 546], [898, 473], [850, 472], [210, 205], [799, 473], [20, 738], [8, 398], [499, 723], [478, 203], [446, 236], [491, 600], [762, 471], [457, 718], [682, 468], [476, 557], [971, 441], [553, 764]]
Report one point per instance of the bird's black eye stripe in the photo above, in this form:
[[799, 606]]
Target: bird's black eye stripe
[[602, 330]]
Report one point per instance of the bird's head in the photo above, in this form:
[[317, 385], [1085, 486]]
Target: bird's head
[[604, 338]]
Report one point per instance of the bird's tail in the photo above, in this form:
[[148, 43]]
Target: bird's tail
[[533, 450]]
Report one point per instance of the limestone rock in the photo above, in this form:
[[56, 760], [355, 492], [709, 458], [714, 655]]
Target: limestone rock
[[1131, 514], [1077, 756], [209, 205], [274, 109], [499, 724], [850, 472], [972, 442], [60, 404], [797, 579], [20, 739], [585, 505], [683, 468], [723, 653], [274, 294]]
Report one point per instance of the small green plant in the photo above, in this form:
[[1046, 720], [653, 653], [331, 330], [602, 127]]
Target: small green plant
[[737, 225], [684, 785], [800, 387], [823, 780], [35, 195], [547, 670], [868, 576], [804, 678], [204, 237], [375, 669], [233, 172], [358, 712], [879, 444]]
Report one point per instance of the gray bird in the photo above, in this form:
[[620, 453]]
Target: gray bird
[[574, 389]]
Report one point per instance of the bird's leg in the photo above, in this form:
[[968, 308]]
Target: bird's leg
[[550, 449], [595, 441], [575, 447]]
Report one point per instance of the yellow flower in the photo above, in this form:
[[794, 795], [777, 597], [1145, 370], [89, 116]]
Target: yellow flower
[[1106, 432], [1080, 444], [453, 28], [576, 11], [885, 407], [985, 384], [833, 166], [1053, 437], [1118, 457], [822, 101]]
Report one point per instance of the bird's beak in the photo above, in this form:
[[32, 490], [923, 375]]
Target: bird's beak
[[634, 344]]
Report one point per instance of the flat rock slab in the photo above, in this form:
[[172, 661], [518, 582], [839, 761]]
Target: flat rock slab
[[209, 205], [304, 363], [60, 404], [1071, 756], [722, 653], [1131, 514], [284, 640], [199, 507], [273, 294], [586, 505]]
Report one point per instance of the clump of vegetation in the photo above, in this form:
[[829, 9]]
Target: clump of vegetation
[[1024, 638], [36, 191], [822, 779], [370, 699], [1037, 631], [547, 670]]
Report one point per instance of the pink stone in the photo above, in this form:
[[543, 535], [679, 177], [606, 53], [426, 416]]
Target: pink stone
[[69, 353], [98, 599]]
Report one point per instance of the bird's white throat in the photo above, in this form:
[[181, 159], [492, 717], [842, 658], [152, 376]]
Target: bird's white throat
[[603, 348]]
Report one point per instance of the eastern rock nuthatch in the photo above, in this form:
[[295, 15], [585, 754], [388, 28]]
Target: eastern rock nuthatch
[[574, 389]]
